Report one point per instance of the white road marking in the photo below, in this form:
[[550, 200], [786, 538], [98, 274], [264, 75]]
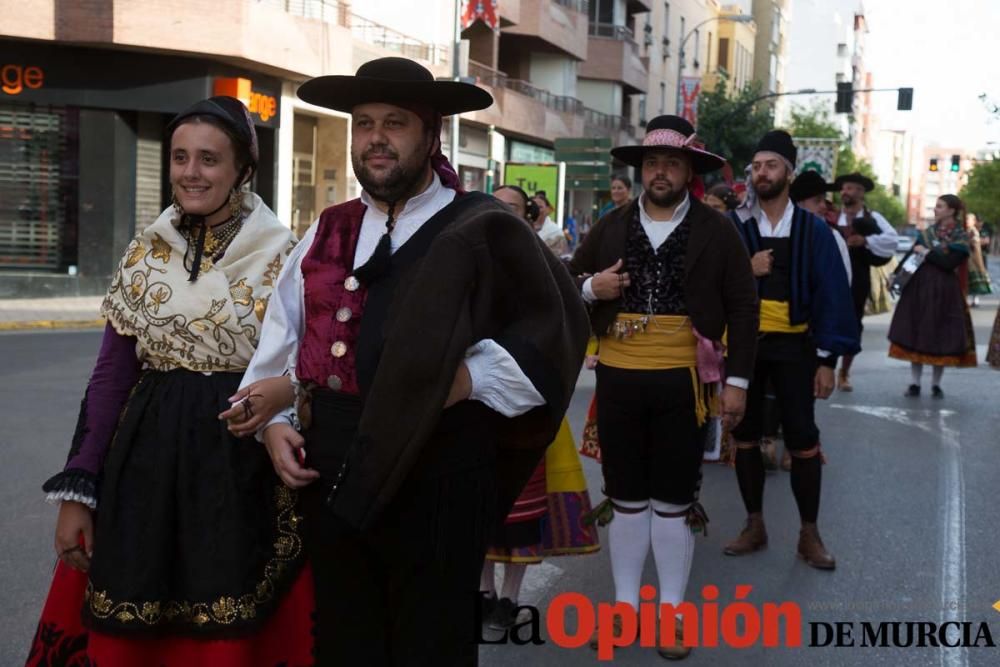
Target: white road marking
[[952, 494]]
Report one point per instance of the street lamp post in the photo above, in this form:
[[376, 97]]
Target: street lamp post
[[735, 18]]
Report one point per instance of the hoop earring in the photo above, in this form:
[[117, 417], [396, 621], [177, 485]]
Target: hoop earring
[[235, 202]]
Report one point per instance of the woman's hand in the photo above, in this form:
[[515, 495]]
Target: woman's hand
[[257, 403], [75, 521]]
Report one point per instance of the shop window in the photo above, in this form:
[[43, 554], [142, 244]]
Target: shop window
[[39, 174]]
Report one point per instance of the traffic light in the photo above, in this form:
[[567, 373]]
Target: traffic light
[[904, 100], [956, 162], [933, 166], [845, 97]]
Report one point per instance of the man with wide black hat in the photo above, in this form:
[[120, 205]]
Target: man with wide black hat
[[808, 191], [871, 241], [806, 322], [434, 344], [669, 276]]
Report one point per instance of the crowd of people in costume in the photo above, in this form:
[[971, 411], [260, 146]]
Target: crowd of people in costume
[[317, 452]]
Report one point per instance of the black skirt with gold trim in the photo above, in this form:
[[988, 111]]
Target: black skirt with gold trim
[[195, 533]]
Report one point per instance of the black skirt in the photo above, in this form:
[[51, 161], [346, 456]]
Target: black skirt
[[195, 533]]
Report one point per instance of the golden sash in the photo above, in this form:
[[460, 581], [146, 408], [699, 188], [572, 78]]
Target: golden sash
[[775, 318], [658, 342]]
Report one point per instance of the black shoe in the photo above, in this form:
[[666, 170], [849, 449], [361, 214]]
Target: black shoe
[[936, 392], [913, 391], [504, 615], [487, 605]]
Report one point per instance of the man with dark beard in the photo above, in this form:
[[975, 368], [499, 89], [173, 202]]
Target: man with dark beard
[[432, 344], [806, 322], [669, 276], [871, 241]]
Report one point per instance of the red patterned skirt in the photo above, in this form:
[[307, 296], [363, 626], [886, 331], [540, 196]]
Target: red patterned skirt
[[285, 640]]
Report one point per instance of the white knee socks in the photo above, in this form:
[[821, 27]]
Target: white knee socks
[[916, 370], [628, 541], [513, 575], [673, 548]]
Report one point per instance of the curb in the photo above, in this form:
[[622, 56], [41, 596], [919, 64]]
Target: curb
[[52, 324]]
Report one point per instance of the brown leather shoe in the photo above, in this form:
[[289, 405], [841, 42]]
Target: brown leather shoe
[[844, 381], [811, 548], [678, 651], [752, 538]]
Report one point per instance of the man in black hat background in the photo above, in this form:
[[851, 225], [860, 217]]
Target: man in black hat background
[[668, 274], [872, 242], [806, 322], [808, 191], [434, 344]]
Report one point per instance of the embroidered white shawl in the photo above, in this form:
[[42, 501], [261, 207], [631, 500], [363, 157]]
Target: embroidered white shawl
[[212, 324]]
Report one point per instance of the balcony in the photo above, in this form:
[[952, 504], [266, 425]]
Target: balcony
[[559, 25], [510, 12], [524, 109], [613, 55]]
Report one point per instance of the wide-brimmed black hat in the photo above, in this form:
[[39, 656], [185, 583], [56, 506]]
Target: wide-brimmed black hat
[[809, 184], [855, 177], [398, 81], [672, 132]]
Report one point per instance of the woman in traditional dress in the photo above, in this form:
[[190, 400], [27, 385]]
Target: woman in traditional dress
[[546, 519], [979, 277], [931, 324], [177, 543], [621, 194]]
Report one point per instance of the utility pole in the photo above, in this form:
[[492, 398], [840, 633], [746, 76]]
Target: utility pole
[[456, 74]]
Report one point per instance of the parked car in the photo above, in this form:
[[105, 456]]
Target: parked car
[[907, 237]]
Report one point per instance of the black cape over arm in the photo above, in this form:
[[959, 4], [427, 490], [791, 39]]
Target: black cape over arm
[[487, 275]]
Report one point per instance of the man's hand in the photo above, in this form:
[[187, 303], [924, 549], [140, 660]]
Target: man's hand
[[283, 446], [823, 383], [733, 403], [461, 386], [256, 404], [609, 284], [856, 241], [762, 263]]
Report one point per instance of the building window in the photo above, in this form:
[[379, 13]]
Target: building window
[[708, 54], [663, 97], [724, 53], [642, 110], [39, 174]]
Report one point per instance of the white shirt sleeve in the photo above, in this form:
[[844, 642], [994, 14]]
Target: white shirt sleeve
[[498, 381], [283, 326], [587, 291], [882, 244], [741, 383], [844, 254]]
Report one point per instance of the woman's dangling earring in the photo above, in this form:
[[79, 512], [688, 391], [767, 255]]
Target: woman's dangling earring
[[235, 203], [178, 209]]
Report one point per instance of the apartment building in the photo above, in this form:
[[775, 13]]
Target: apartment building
[[734, 57], [771, 49]]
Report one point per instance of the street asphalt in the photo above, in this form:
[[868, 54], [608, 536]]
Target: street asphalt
[[909, 509]]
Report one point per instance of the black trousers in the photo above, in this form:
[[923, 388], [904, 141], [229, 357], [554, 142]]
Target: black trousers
[[650, 444], [403, 592], [788, 362]]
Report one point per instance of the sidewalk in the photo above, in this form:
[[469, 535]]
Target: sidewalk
[[59, 313]]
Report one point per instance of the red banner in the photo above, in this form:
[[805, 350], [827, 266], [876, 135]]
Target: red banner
[[687, 97], [480, 10]]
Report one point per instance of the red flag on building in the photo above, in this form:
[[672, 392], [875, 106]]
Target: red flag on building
[[480, 10]]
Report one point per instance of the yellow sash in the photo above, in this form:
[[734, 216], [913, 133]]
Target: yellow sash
[[775, 318], [658, 342]]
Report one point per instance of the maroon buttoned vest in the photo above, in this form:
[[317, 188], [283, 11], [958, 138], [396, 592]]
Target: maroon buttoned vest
[[334, 301]]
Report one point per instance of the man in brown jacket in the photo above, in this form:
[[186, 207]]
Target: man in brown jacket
[[667, 275]]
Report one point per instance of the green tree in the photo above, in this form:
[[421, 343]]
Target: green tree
[[813, 122], [731, 124], [982, 193]]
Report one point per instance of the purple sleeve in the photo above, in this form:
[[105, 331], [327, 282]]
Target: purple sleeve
[[114, 375]]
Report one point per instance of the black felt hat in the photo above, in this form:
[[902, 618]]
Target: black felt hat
[[398, 81], [229, 111], [809, 184], [780, 142], [856, 177], [670, 132]]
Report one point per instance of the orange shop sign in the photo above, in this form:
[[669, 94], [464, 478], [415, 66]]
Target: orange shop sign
[[260, 104], [15, 78]]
